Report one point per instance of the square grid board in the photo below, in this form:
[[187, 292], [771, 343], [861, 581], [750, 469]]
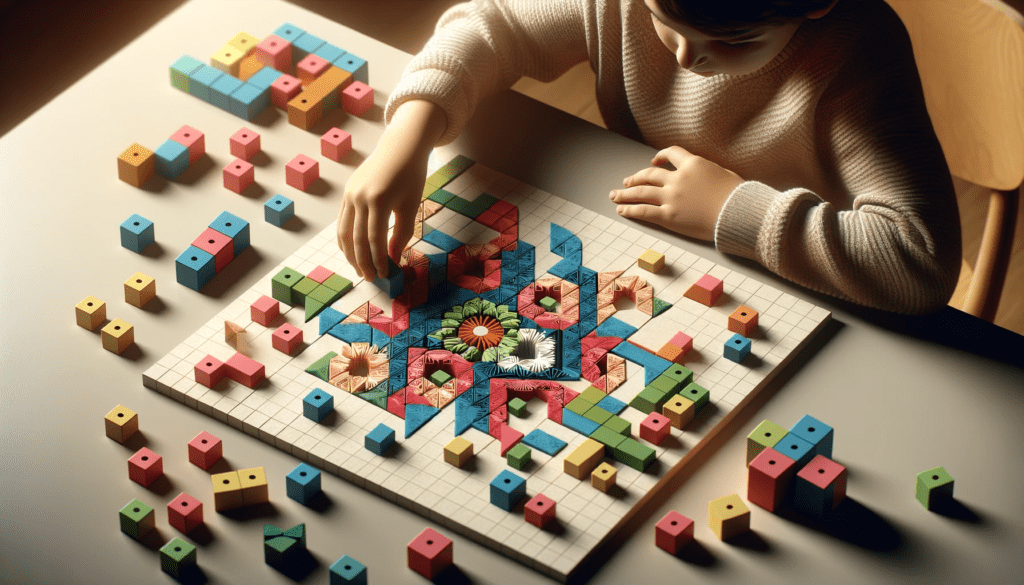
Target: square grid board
[[414, 473]]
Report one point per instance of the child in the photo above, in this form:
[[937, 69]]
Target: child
[[796, 132]]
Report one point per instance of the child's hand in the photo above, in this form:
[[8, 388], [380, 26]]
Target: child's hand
[[686, 200]]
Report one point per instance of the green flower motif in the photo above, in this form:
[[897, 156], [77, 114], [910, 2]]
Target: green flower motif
[[479, 331]]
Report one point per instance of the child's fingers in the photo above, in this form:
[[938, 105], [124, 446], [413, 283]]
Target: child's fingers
[[643, 212], [656, 176], [345, 233], [361, 245], [405, 223], [377, 221], [676, 155], [647, 194]]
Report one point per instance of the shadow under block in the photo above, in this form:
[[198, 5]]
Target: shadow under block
[[145, 467], [185, 513], [137, 519], [583, 459], [603, 477], [769, 478], [820, 487], [121, 423], [117, 336], [136, 165], [934, 487], [673, 532], [766, 434], [90, 313], [539, 510], [176, 557], [227, 491], [348, 571], [139, 290], [458, 451], [430, 553], [303, 483], [204, 450], [728, 517]]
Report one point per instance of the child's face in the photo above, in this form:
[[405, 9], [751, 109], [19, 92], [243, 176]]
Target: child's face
[[737, 53]]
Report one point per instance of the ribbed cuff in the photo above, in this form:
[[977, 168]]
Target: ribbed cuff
[[438, 87], [740, 220]]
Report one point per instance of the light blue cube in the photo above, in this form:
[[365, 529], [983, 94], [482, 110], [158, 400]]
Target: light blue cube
[[507, 489], [194, 268], [796, 449], [736, 348], [317, 405], [380, 439], [305, 45], [235, 228], [303, 483], [201, 80], [264, 78], [171, 159], [355, 65], [329, 52], [816, 433], [278, 210], [248, 101], [348, 571], [181, 69], [137, 233], [289, 32], [222, 89]]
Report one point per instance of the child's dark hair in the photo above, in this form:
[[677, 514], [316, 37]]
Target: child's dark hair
[[723, 16]]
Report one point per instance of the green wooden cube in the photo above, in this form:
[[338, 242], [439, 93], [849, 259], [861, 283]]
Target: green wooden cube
[[137, 519], [697, 394], [934, 486], [579, 406], [592, 395], [608, 437], [765, 435], [649, 400], [517, 407], [548, 304], [598, 415], [324, 294], [681, 374], [630, 452], [439, 378], [176, 557], [667, 384], [281, 285], [619, 425], [338, 283], [302, 289], [519, 456]]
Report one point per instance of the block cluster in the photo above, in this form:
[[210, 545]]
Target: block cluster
[[209, 371], [315, 291], [235, 489], [676, 347], [675, 395], [137, 164], [117, 335], [225, 238]]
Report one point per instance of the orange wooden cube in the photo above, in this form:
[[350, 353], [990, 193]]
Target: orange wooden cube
[[706, 290], [743, 321], [136, 165]]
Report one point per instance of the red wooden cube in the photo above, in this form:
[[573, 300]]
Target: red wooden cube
[[220, 246], [768, 478], [245, 143], [310, 67], [193, 140], [286, 338], [655, 428], [204, 450], [357, 98], [265, 310], [209, 371], [706, 290], [539, 510], [238, 175], [673, 532], [185, 513], [284, 89], [430, 553], [682, 341], [301, 172], [145, 467], [275, 52], [335, 143], [815, 481], [320, 274], [244, 370]]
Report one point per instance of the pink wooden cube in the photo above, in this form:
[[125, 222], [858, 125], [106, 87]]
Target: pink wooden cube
[[284, 89], [209, 371], [821, 473], [191, 139], [185, 513], [265, 310], [245, 143], [204, 450], [320, 274], [220, 246], [539, 510], [655, 427], [286, 338], [673, 532], [275, 52], [310, 67], [238, 175], [145, 467], [301, 172], [245, 370], [430, 553], [682, 341], [357, 98], [335, 143], [706, 290], [768, 478]]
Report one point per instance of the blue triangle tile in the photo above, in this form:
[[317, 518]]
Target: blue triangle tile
[[417, 415]]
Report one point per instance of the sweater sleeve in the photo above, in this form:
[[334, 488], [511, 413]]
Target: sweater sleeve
[[888, 234], [482, 47]]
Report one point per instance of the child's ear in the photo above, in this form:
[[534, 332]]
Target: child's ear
[[822, 11]]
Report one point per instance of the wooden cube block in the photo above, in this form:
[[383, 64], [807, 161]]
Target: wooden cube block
[[248, 67], [705, 291], [227, 60], [244, 370], [335, 143], [673, 532], [121, 423], [583, 459], [682, 341], [357, 98], [90, 313], [768, 478], [284, 90], [348, 571], [766, 434], [671, 353], [193, 140], [137, 519], [430, 553], [238, 175], [177, 558], [244, 42], [539, 510], [934, 488], [679, 411], [209, 371], [145, 467], [275, 52], [218, 245], [136, 165], [265, 310], [820, 487], [244, 144], [651, 261], [204, 450], [117, 336], [728, 517], [185, 513], [139, 290], [458, 451], [286, 338], [301, 172], [655, 428], [254, 486], [743, 321], [603, 477], [227, 491], [310, 67]]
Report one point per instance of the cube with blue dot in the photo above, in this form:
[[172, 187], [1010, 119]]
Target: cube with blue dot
[[317, 405], [303, 483], [737, 348], [348, 571], [137, 233], [194, 268], [380, 439], [278, 209], [507, 489], [171, 159]]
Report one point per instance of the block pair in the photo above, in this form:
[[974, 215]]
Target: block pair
[[225, 238], [235, 489], [209, 371], [137, 164]]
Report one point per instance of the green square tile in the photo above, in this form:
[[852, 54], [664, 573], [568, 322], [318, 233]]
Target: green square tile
[[282, 283], [338, 283], [324, 294], [579, 406], [302, 289], [598, 415], [630, 452], [460, 205], [697, 394], [441, 196], [592, 395], [681, 374], [517, 407], [548, 304], [619, 425], [607, 437], [666, 384], [439, 378]]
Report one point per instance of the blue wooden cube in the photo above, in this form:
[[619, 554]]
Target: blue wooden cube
[[737, 348], [329, 52], [355, 65], [507, 489], [348, 571], [194, 268], [816, 433], [394, 283], [222, 89], [201, 80], [265, 77], [171, 159], [235, 228], [278, 209], [304, 45], [796, 449], [289, 32], [181, 69], [248, 101], [303, 483], [137, 233], [317, 405], [380, 439]]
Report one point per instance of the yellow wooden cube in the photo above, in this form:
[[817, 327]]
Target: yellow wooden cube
[[136, 165], [117, 336], [603, 478], [458, 451], [244, 42], [583, 459], [139, 290], [121, 423], [728, 517], [679, 411], [651, 261], [227, 491], [90, 313], [254, 486], [228, 59]]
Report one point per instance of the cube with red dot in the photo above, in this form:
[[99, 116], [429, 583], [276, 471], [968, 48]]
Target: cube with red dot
[[655, 428], [539, 510], [301, 172], [286, 338], [193, 140], [430, 553], [245, 143], [185, 513], [357, 98], [204, 450], [221, 247], [335, 143], [238, 175], [145, 467], [673, 532], [284, 89], [209, 371], [706, 290], [310, 67], [275, 52], [768, 478], [265, 310]]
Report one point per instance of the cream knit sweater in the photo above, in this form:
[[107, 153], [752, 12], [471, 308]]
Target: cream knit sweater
[[847, 191]]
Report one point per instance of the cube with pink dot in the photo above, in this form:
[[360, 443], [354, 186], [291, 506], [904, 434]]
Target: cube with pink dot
[[204, 450], [284, 89], [245, 143], [310, 67], [238, 175], [301, 172], [357, 98], [264, 310], [193, 140], [335, 143], [209, 371], [275, 52], [286, 338], [655, 428], [145, 467]]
